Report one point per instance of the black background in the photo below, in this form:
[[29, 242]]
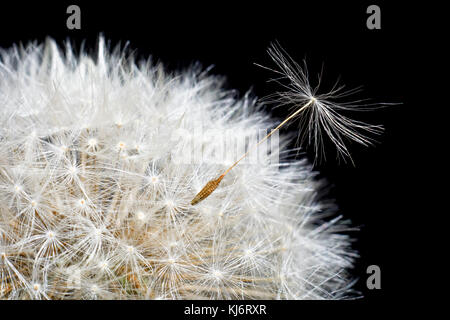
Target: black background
[[233, 36]]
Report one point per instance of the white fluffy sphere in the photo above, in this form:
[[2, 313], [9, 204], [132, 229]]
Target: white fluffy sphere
[[97, 170]]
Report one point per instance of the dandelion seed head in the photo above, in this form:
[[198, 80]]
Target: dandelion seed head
[[95, 192]]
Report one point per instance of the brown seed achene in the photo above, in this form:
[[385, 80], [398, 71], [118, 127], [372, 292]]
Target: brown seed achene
[[207, 190]]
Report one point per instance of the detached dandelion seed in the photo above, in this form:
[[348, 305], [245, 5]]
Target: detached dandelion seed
[[318, 115]]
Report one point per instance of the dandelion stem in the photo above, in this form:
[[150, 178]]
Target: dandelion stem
[[213, 184], [272, 132]]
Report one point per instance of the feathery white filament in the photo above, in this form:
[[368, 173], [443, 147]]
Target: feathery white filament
[[325, 116]]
